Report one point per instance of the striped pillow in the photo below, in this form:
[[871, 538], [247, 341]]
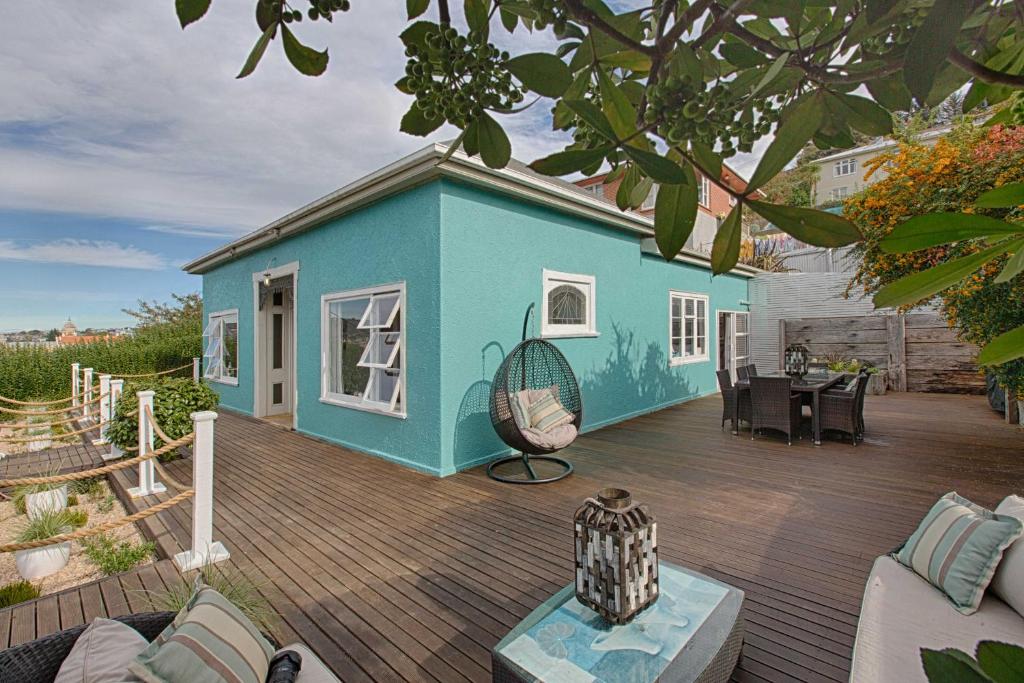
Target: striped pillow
[[957, 548], [209, 641], [547, 413]]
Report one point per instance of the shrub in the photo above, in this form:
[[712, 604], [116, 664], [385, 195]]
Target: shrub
[[72, 500], [92, 487], [947, 177], [16, 592], [232, 584], [112, 556], [77, 518], [107, 504], [46, 525], [173, 404]]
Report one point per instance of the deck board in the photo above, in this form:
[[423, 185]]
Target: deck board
[[389, 574]]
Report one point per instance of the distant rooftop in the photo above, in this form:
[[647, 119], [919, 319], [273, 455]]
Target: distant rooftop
[[881, 143]]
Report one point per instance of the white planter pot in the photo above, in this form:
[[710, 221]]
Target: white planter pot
[[53, 500], [39, 562]]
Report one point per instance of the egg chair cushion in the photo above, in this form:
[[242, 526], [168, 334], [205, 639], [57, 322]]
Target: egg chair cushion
[[554, 439], [546, 413]]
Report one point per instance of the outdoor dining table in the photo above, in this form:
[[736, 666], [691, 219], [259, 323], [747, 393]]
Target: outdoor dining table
[[811, 383]]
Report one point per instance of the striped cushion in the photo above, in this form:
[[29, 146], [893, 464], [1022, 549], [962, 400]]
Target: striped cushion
[[209, 641], [518, 404], [957, 548], [547, 413]]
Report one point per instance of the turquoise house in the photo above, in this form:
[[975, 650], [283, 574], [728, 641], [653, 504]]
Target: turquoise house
[[376, 316]]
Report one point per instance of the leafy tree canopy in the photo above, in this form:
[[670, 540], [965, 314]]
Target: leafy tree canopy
[[670, 85]]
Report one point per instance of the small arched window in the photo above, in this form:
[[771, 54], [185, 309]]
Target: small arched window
[[568, 305]]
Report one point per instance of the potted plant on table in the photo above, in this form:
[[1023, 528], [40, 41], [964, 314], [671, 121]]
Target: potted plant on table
[[35, 563]]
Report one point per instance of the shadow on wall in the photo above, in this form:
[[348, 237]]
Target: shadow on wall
[[634, 379], [474, 435]]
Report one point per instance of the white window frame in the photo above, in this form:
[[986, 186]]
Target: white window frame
[[397, 353], [585, 283], [684, 359], [219, 319], [703, 191], [595, 189], [844, 167], [839, 193]]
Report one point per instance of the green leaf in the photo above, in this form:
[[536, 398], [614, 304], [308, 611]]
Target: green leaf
[[569, 161], [416, 33], [927, 283], [257, 52], [930, 46], [415, 123], [661, 169], [543, 73], [414, 8], [624, 195], [306, 60], [708, 160], [929, 230], [1014, 266], [1006, 197], [866, 115], [725, 251], [509, 20], [799, 123], [742, 55], [675, 212], [616, 106], [1004, 348], [891, 93], [190, 11], [495, 148], [951, 666], [819, 228], [772, 72], [476, 15], [593, 117]]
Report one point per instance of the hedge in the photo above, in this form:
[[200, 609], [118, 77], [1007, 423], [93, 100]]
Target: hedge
[[174, 401]]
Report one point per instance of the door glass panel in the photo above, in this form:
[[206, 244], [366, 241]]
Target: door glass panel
[[277, 354], [278, 394], [279, 298]]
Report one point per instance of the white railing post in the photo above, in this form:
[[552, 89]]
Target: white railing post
[[147, 473], [195, 370], [204, 549], [76, 383], [87, 380], [116, 389], [106, 411]]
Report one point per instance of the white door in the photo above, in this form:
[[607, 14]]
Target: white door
[[278, 352], [733, 341]]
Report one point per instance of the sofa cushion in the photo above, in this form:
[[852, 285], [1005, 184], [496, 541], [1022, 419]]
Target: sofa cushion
[[554, 439], [546, 412], [313, 670], [901, 613], [957, 548], [209, 641], [1008, 583], [102, 653]]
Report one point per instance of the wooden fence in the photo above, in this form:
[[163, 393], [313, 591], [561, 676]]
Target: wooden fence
[[919, 350]]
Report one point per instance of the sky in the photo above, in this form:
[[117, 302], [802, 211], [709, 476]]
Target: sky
[[127, 146]]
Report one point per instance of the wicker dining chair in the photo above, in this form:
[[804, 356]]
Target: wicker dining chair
[[751, 370], [730, 394], [741, 372], [843, 410], [775, 406]]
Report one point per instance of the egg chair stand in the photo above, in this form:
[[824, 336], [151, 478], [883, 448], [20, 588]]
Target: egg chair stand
[[533, 364]]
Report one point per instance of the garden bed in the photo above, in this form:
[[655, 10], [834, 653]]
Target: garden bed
[[102, 506]]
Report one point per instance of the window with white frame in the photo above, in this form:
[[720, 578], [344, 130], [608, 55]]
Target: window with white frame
[[651, 199], [844, 167], [703, 190], [568, 305], [220, 347], [361, 338], [742, 332], [837, 193], [688, 327], [595, 189]]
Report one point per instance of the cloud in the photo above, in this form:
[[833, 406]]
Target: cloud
[[190, 231], [82, 253]]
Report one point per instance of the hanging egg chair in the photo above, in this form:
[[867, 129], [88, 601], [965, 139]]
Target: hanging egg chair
[[535, 366]]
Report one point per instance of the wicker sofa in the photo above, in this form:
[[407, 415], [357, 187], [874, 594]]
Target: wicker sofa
[[903, 613], [39, 661]]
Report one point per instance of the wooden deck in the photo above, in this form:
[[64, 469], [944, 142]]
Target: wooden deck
[[73, 458], [392, 575]]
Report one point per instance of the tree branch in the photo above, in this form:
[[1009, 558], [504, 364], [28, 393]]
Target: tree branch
[[723, 19], [658, 59], [444, 15], [589, 17], [983, 72], [683, 23]]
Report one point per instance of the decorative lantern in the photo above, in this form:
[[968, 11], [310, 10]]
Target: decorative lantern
[[616, 556], [795, 363]]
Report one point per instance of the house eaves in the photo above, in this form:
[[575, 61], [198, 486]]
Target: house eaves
[[429, 164]]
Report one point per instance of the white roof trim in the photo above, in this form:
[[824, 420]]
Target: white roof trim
[[879, 145], [425, 165]]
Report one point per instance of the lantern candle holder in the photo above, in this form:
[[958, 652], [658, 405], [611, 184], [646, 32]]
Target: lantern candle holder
[[795, 361], [616, 556]]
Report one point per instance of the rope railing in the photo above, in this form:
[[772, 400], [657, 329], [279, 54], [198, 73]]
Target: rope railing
[[97, 471], [53, 437], [38, 425], [58, 411], [99, 528], [47, 403], [164, 474], [147, 374]]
